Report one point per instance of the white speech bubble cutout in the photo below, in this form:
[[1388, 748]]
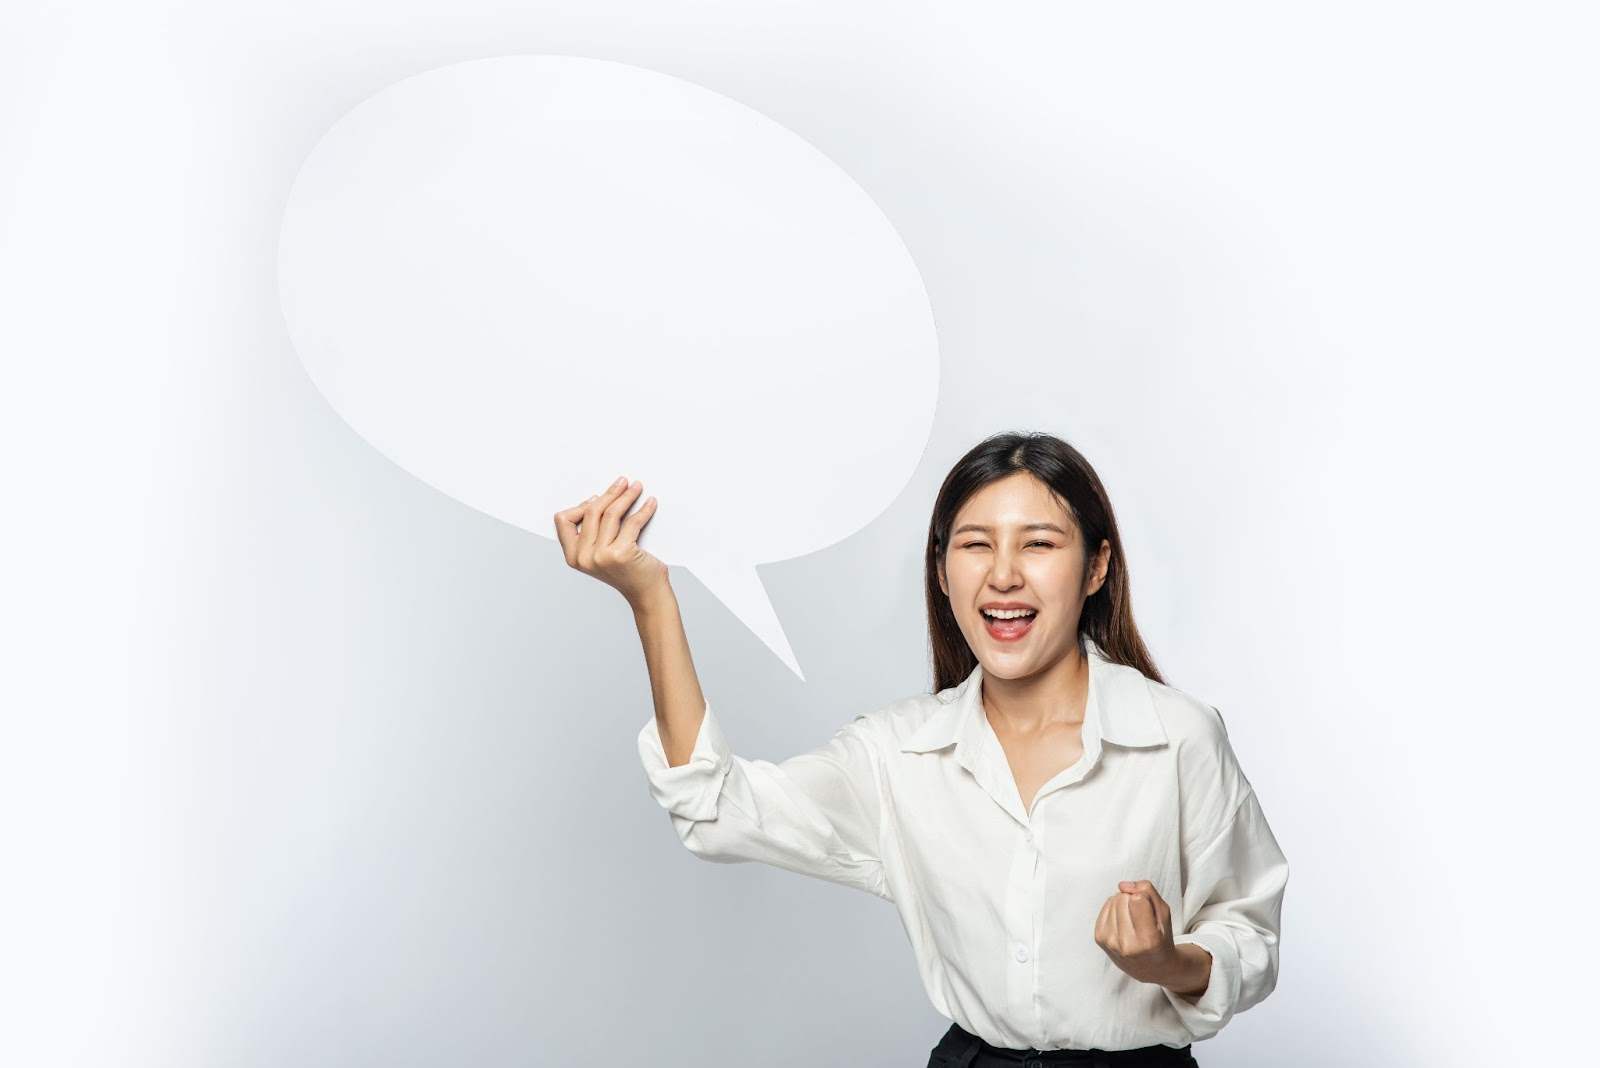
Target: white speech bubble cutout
[[520, 277]]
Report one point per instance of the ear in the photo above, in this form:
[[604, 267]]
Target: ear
[[944, 585], [1099, 566]]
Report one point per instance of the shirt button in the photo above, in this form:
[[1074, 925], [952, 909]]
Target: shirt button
[[1027, 836], [1022, 953]]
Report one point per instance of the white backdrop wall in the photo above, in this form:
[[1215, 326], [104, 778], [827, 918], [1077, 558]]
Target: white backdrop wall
[[304, 763]]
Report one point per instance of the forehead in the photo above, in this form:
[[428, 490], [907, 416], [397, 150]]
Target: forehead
[[1015, 500]]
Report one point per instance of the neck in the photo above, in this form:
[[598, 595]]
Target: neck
[[1053, 698]]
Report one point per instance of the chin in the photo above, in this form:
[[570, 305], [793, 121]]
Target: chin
[[1001, 673], [1006, 665], [1017, 663]]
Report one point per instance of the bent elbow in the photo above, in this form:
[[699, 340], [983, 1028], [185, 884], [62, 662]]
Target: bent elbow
[[1262, 979], [705, 840]]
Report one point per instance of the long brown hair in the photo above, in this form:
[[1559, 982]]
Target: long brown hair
[[1107, 613]]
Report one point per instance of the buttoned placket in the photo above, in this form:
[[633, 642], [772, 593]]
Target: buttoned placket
[[1025, 882]]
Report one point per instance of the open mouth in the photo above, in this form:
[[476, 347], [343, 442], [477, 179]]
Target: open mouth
[[1008, 630]]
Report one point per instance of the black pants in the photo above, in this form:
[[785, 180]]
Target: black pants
[[959, 1048]]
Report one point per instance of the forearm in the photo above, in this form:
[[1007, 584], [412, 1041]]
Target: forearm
[[1193, 973], [674, 686]]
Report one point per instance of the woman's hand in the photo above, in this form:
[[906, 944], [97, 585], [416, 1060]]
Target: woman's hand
[[1135, 929], [595, 540]]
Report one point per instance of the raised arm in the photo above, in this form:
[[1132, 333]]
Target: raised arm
[[674, 686], [817, 814], [597, 540]]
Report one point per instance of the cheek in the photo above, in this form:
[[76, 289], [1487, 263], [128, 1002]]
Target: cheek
[[956, 579], [1060, 579], [960, 590]]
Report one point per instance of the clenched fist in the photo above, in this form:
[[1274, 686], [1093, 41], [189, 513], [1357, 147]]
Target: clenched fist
[[1135, 929]]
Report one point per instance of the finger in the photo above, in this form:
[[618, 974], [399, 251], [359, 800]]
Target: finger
[[611, 517], [1162, 911], [567, 529], [590, 528], [1102, 924], [613, 491], [1142, 915], [1144, 886], [597, 503], [1114, 922], [573, 514], [635, 522]]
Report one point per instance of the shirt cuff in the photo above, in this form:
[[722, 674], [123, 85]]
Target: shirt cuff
[[1206, 1015], [688, 790]]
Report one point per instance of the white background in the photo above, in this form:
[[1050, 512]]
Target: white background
[[304, 763]]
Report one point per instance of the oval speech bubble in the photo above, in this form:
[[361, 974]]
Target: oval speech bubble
[[522, 276]]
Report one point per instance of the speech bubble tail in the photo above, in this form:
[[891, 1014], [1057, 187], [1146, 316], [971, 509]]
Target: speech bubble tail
[[740, 590]]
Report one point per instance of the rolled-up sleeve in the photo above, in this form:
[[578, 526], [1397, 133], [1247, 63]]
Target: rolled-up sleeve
[[1233, 897], [816, 814]]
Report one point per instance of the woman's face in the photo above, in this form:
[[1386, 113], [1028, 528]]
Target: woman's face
[[1013, 543]]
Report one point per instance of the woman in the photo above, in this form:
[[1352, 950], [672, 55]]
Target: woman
[[1081, 866]]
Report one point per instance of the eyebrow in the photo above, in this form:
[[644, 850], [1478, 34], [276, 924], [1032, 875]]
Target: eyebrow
[[990, 530]]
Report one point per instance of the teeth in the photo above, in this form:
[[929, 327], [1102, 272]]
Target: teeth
[[1007, 613]]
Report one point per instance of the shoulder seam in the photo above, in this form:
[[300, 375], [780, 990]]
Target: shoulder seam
[[1227, 824]]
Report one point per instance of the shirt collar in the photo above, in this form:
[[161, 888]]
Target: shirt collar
[[1120, 700]]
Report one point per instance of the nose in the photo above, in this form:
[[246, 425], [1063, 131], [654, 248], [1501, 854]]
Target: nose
[[1003, 575]]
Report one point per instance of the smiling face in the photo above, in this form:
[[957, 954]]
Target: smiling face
[[1013, 543]]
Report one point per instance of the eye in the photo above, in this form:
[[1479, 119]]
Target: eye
[[1046, 544]]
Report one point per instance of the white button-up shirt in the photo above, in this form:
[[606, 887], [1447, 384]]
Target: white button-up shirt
[[916, 803]]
